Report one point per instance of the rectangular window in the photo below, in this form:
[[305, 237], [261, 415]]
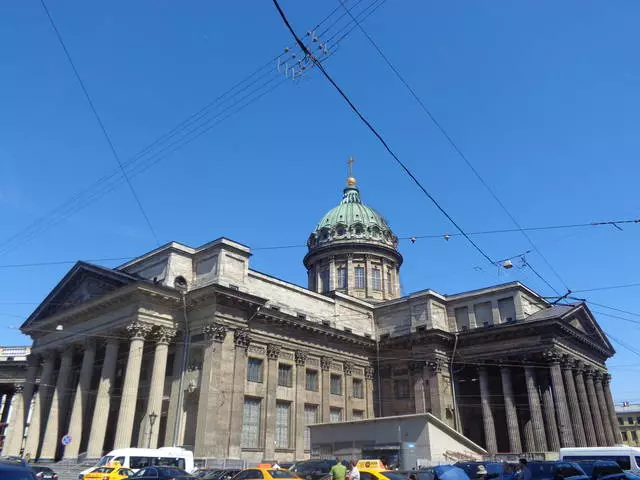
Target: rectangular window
[[324, 281], [507, 310], [359, 277], [254, 370], [336, 384], [376, 279], [358, 415], [620, 420], [251, 423], [358, 388], [283, 417], [342, 277], [401, 388], [638, 420], [630, 420], [484, 313], [462, 317], [310, 418], [335, 415], [285, 375], [389, 282], [624, 436], [312, 380]]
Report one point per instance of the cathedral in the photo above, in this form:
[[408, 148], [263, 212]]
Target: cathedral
[[189, 346]]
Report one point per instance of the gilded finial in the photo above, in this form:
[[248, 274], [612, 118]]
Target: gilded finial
[[351, 181]]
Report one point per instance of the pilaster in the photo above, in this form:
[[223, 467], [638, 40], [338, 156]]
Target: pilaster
[[173, 434], [325, 364], [369, 374], [301, 375], [241, 340], [417, 370], [269, 413]]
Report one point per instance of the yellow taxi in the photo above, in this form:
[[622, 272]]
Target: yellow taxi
[[265, 471], [375, 470], [110, 471]]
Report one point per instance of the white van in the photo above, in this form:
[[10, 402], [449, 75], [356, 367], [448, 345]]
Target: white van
[[627, 457], [137, 458]]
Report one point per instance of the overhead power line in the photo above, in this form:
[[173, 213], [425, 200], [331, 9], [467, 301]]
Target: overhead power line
[[376, 134], [100, 122], [242, 94]]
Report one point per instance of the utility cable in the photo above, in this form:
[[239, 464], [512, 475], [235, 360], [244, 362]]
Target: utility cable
[[375, 132], [99, 120]]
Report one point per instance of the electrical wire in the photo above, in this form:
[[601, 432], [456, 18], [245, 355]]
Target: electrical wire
[[376, 134], [100, 122]]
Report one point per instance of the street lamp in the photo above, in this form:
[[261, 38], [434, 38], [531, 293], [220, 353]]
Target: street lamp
[[152, 420]]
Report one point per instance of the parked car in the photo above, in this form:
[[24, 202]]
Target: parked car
[[202, 471], [602, 469], [15, 471], [44, 473], [162, 473], [312, 469], [494, 470], [221, 474], [440, 472], [556, 471]]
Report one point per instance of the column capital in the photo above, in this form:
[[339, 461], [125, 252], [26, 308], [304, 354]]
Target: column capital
[[325, 363], [606, 379], [348, 368], [568, 362], [67, 350], [301, 357], [597, 375], [215, 332], [34, 360], [138, 330], [551, 356], [18, 388], [273, 351], [437, 365], [241, 338], [589, 373], [416, 366], [164, 335], [369, 372], [88, 343]]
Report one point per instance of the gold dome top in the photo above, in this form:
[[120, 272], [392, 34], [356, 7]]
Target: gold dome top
[[351, 181]]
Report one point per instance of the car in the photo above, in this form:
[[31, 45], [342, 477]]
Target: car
[[15, 471], [111, 471], [265, 473], [161, 473], [221, 474], [556, 471], [440, 472], [602, 469], [494, 470], [44, 473], [376, 470], [202, 471], [312, 469]]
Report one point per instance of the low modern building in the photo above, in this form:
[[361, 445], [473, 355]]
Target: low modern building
[[190, 346], [405, 441], [629, 423]]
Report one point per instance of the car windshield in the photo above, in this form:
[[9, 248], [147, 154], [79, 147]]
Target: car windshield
[[281, 474], [104, 460], [103, 470]]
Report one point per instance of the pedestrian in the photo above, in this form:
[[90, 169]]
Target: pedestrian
[[276, 466], [354, 473], [339, 471], [524, 471], [482, 473]]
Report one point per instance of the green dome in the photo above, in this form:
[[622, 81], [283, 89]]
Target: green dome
[[352, 221]]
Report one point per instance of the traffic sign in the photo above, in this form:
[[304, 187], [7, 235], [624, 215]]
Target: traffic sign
[[66, 440]]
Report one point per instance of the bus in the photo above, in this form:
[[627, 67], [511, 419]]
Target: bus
[[627, 457], [137, 458]]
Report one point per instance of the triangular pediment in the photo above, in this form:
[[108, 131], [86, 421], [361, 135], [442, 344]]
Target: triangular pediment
[[83, 283], [583, 320]]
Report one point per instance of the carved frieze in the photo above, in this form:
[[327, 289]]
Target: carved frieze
[[138, 330]]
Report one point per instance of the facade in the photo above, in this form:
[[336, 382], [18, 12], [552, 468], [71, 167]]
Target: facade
[[190, 346], [629, 423]]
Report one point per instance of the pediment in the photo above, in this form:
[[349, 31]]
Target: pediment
[[583, 320], [83, 283]]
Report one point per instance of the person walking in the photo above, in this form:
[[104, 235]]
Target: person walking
[[354, 473], [339, 471]]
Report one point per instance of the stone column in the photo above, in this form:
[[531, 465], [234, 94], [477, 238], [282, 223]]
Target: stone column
[[551, 424], [613, 418], [583, 400], [515, 445], [560, 400], [369, 374], [175, 410], [57, 411], [102, 406], [350, 274], [435, 369], [367, 276], [41, 405], [527, 433], [6, 407], [348, 391], [137, 331], [332, 277], [209, 397], [574, 405], [490, 441], [534, 407], [417, 367], [325, 388], [595, 409], [273, 353], [15, 430], [81, 400], [241, 340], [604, 411], [163, 337], [301, 387]]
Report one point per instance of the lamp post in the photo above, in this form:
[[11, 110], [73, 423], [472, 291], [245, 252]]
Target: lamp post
[[152, 420]]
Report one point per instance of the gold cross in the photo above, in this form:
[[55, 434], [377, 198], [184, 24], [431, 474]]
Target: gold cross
[[350, 162]]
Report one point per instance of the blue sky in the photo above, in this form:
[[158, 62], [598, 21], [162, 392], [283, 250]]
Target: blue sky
[[542, 98]]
